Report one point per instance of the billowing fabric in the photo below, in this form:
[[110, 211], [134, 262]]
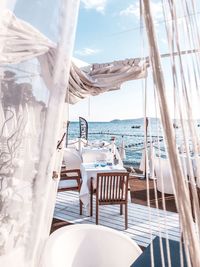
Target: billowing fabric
[[103, 78], [24, 42], [19, 41], [31, 124]]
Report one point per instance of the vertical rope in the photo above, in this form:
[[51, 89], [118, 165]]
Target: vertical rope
[[183, 200]]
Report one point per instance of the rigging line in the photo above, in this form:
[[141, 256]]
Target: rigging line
[[122, 134], [157, 23], [183, 52]]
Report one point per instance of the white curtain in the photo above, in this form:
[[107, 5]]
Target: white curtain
[[24, 42], [29, 133], [19, 40]]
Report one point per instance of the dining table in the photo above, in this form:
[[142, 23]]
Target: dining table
[[90, 170]]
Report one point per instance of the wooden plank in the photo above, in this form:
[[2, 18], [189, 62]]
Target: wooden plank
[[145, 209], [141, 229], [139, 214], [118, 220], [142, 240]]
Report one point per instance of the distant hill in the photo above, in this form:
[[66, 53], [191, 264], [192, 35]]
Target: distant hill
[[134, 121]]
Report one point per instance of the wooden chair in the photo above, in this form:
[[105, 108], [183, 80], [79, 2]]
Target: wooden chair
[[111, 189], [70, 180]]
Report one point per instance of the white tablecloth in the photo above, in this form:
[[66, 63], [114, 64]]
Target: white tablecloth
[[89, 170], [193, 171]]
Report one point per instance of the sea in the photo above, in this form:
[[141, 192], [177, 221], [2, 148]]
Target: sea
[[131, 132]]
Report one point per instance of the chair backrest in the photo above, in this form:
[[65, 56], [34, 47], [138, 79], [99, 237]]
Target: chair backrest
[[89, 245], [112, 187]]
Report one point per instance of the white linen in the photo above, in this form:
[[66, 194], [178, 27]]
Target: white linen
[[71, 159], [67, 184], [98, 149], [163, 174], [20, 41], [190, 167], [96, 155], [28, 198], [89, 170]]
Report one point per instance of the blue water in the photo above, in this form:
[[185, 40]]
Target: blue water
[[133, 137]]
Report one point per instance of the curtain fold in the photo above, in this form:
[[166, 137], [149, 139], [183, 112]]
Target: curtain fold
[[19, 41], [23, 42], [31, 127], [104, 77]]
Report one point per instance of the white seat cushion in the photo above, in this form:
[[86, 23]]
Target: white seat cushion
[[67, 184], [71, 159]]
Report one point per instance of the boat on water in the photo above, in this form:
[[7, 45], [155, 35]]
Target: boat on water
[[176, 126], [136, 126], [39, 81]]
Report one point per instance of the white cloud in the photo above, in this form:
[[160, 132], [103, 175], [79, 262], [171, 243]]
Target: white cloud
[[98, 5], [87, 52], [134, 9]]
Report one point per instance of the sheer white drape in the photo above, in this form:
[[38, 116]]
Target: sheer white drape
[[23, 42], [30, 129]]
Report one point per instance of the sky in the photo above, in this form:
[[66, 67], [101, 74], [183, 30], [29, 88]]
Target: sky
[[108, 30]]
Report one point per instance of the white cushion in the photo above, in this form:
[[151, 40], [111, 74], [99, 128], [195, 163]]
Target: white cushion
[[67, 184], [71, 159]]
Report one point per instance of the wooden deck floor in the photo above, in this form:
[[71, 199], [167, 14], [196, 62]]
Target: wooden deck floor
[[144, 223]]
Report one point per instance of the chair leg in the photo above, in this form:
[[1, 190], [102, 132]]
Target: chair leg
[[126, 216], [91, 199], [81, 207], [97, 213], [121, 209]]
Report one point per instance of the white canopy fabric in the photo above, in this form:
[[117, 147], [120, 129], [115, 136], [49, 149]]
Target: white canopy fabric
[[103, 77], [24, 42]]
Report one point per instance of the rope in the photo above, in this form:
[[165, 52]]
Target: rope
[[142, 143], [118, 134], [130, 145], [73, 143]]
